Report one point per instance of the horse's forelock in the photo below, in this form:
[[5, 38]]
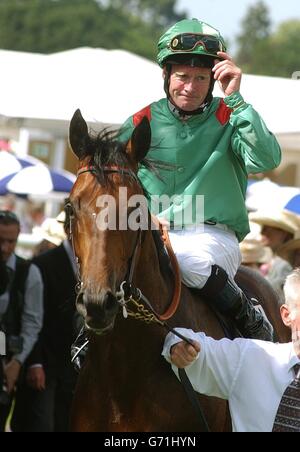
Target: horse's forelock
[[105, 149]]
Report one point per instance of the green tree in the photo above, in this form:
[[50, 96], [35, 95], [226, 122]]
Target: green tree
[[48, 26], [285, 49], [161, 13], [256, 30], [264, 52]]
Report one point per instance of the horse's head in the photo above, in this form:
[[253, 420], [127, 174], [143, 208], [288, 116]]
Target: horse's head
[[100, 211]]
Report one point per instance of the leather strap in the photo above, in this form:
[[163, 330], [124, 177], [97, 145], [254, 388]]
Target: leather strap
[[177, 278]]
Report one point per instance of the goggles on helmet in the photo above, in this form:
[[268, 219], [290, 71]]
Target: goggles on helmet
[[187, 42]]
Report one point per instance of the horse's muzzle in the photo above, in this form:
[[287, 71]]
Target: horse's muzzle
[[101, 312]]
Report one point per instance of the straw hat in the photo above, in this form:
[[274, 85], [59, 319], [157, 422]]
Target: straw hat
[[280, 219], [51, 230], [287, 250], [253, 252]]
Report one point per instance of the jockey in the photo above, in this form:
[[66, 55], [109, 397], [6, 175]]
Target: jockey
[[212, 145]]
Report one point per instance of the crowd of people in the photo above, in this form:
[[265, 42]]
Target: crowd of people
[[37, 315], [213, 144]]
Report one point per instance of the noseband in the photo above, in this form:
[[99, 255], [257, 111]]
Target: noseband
[[127, 293]]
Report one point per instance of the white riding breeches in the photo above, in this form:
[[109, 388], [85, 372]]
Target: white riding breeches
[[197, 251]]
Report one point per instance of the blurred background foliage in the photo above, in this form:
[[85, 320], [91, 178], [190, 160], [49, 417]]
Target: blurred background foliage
[[48, 26], [263, 51]]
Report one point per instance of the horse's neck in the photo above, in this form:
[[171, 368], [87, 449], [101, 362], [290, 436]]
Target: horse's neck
[[148, 277]]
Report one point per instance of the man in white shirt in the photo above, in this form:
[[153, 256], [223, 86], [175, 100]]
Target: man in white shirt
[[278, 227], [251, 374]]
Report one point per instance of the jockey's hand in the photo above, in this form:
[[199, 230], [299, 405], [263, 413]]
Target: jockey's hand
[[183, 354], [227, 73], [36, 378], [160, 222], [164, 222], [11, 372]]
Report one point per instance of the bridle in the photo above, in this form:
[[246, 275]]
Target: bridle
[[129, 294]]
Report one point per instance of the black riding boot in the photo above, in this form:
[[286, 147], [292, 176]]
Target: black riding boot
[[79, 349], [227, 298]]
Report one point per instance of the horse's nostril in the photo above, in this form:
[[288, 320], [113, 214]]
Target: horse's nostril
[[110, 302], [98, 309], [93, 310]]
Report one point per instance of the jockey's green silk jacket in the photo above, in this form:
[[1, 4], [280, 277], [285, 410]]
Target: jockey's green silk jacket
[[211, 154]]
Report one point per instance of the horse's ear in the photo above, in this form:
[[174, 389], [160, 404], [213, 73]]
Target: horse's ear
[[78, 135], [141, 140]]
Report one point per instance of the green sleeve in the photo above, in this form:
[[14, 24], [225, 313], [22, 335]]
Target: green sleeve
[[126, 130], [251, 140]]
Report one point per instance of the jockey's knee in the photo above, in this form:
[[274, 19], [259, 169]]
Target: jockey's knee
[[195, 272]]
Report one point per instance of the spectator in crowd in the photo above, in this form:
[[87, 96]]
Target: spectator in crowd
[[33, 216], [278, 227], [290, 251], [51, 233], [251, 374], [44, 399], [254, 253], [21, 308]]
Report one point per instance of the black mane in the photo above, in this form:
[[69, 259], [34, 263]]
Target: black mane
[[106, 149]]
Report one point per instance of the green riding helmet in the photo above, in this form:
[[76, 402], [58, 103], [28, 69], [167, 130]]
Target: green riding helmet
[[189, 37]]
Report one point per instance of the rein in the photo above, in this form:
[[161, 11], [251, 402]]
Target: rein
[[130, 294]]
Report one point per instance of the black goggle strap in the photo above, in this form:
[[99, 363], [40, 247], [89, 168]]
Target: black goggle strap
[[167, 79]]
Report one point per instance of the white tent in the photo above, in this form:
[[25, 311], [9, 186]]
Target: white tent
[[106, 85], [39, 94], [109, 85]]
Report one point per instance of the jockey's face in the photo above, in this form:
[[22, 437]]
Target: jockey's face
[[189, 86]]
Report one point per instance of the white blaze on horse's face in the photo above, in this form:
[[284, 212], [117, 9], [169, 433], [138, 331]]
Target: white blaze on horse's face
[[106, 170]]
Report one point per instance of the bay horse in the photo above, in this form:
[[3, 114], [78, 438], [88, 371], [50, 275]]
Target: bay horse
[[125, 384]]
